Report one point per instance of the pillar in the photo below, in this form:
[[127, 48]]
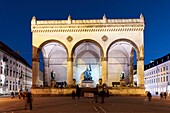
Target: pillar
[[35, 67], [35, 72], [45, 75], [140, 72], [104, 70], [131, 68], [69, 71]]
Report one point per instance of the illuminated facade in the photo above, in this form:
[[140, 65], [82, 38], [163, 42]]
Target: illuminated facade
[[157, 75], [69, 47], [15, 72]]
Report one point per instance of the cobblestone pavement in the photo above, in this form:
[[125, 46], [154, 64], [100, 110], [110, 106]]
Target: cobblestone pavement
[[113, 104]]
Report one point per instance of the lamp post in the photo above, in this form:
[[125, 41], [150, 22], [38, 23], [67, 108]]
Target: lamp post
[[157, 80]]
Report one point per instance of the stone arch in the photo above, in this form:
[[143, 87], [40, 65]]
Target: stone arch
[[87, 40], [48, 41], [78, 69], [124, 64], [46, 78], [125, 40]]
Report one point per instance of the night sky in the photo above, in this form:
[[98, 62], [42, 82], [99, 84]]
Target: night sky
[[15, 18]]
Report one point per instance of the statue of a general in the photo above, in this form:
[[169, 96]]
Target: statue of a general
[[52, 75], [87, 75], [122, 76]]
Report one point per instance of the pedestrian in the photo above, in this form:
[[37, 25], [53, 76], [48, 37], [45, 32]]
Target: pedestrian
[[28, 100], [101, 90], [161, 95], [165, 95], [78, 91], [12, 95], [149, 95], [96, 93], [20, 95], [73, 94]]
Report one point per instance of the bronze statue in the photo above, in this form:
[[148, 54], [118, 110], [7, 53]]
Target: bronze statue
[[52, 75]]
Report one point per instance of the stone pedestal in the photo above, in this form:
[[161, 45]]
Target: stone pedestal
[[53, 83], [122, 83], [88, 84]]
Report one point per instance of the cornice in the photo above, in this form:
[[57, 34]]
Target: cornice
[[103, 29], [95, 25], [92, 21]]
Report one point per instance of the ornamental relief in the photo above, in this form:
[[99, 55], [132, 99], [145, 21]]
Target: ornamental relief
[[69, 38], [104, 38]]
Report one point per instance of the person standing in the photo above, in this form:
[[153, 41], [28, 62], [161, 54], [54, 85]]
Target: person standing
[[161, 95], [101, 90], [165, 95], [28, 100], [78, 91], [96, 93], [12, 95], [149, 95]]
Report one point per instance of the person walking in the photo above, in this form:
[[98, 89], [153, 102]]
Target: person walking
[[165, 95], [101, 90], [96, 93], [161, 95], [12, 95], [78, 91], [28, 100], [73, 94], [149, 95]]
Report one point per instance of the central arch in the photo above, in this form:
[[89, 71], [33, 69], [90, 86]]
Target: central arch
[[87, 54]]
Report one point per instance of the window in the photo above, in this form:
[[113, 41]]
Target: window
[[166, 68], [10, 72], [1, 69], [163, 68], [166, 78], [163, 78], [13, 73], [7, 70]]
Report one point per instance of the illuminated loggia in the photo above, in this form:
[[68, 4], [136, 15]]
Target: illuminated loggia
[[69, 46]]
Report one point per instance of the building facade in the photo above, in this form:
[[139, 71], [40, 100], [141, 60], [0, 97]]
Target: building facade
[[104, 46], [157, 75], [15, 72]]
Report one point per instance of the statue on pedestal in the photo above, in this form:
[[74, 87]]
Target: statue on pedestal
[[52, 79], [122, 76], [52, 75], [87, 74]]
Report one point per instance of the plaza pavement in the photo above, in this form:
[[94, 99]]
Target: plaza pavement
[[113, 104]]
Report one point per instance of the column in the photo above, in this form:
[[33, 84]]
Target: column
[[69, 71], [131, 69], [35, 67], [45, 75], [35, 72], [140, 72], [104, 70]]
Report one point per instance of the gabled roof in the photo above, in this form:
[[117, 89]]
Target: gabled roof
[[10, 52]]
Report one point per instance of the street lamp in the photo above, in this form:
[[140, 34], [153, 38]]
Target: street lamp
[[157, 79]]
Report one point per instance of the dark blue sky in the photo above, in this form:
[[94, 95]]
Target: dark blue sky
[[15, 18]]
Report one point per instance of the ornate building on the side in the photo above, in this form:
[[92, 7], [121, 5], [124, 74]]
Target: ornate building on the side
[[105, 46], [15, 72], [157, 75]]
